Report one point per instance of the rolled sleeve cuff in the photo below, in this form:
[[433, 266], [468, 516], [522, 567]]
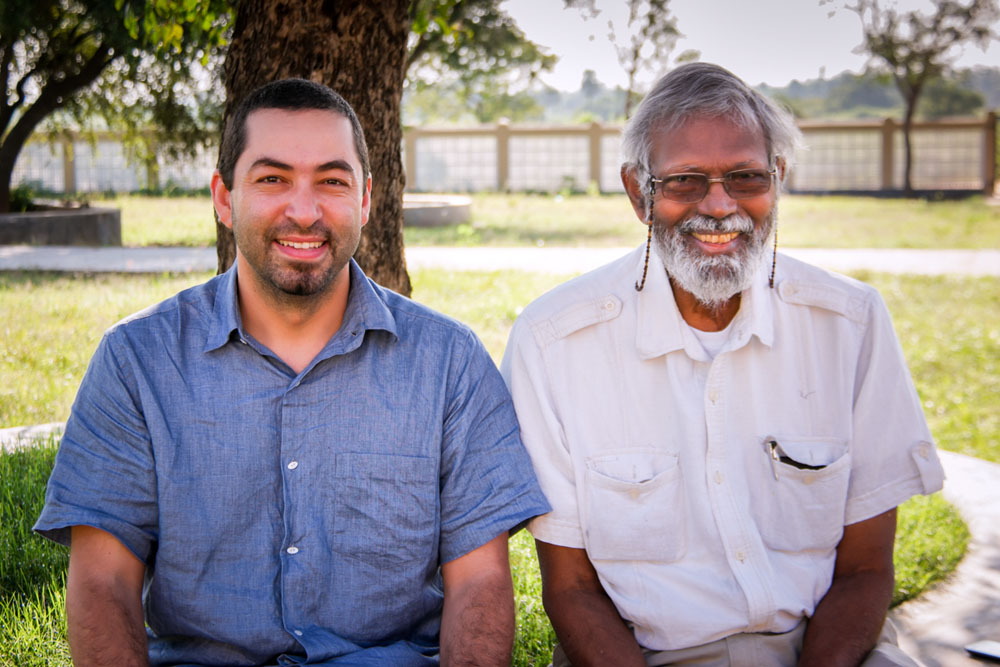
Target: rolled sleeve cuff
[[516, 513], [552, 531], [55, 524], [928, 478]]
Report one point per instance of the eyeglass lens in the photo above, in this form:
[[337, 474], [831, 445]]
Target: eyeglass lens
[[692, 187]]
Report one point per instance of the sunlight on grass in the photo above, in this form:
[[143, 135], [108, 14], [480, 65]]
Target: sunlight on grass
[[949, 328], [51, 324], [930, 541], [804, 221], [165, 221]]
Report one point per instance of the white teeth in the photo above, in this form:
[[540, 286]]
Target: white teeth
[[716, 238], [301, 246]]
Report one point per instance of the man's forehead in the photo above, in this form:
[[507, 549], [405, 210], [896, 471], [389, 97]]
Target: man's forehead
[[713, 137], [270, 132]]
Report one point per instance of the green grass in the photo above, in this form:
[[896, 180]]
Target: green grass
[[948, 328], [607, 220], [165, 221], [49, 327], [930, 541], [804, 222], [32, 570]]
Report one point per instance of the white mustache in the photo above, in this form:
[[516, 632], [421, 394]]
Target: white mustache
[[703, 224]]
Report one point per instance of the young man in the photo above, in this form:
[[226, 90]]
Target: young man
[[724, 434], [289, 464]]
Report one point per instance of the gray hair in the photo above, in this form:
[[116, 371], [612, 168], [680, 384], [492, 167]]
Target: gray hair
[[705, 90]]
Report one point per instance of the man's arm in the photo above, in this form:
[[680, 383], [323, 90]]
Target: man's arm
[[104, 601], [477, 625], [849, 618], [590, 630]]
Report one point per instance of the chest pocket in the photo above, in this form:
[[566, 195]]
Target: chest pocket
[[635, 505], [386, 508], [802, 504]]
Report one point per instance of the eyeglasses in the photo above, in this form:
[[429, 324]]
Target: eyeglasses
[[688, 188]]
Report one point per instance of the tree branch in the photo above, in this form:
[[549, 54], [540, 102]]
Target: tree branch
[[50, 99]]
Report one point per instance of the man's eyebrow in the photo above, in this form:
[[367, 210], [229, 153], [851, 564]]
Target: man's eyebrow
[[270, 162], [339, 165]]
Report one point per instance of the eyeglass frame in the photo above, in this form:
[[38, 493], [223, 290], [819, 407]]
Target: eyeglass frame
[[772, 172]]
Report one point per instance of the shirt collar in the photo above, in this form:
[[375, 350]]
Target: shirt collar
[[366, 308], [660, 329]]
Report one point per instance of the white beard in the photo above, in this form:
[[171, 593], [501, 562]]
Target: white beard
[[713, 279]]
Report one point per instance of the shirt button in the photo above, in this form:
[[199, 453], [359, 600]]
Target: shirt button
[[740, 555], [298, 633], [713, 397], [718, 477], [292, 465], [292, 550]]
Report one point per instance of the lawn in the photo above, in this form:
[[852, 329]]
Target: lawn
[[949, 328], [607, 220]]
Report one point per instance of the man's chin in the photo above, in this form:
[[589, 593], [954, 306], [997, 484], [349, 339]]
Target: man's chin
[[304, 283]]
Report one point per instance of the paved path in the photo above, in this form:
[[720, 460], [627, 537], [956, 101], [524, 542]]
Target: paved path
[[934, 628], [549, 260]]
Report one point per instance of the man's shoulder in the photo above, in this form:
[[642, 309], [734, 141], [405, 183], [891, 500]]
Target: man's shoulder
[[411, 315], [198, 300], [596, 296], [801, 284]]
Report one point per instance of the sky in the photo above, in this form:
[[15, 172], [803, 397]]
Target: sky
[[765, 41]]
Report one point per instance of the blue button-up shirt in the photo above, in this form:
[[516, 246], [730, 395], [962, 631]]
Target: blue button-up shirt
[[292, 518]]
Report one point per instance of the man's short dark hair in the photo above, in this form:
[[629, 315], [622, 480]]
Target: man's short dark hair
[[288, 95]]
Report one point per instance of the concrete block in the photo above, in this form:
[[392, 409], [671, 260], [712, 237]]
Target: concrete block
[[68, 226]]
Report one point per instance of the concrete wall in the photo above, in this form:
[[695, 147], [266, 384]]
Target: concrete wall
[[80, 226]]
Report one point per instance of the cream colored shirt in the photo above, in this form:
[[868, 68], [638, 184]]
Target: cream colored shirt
[[682, 475]]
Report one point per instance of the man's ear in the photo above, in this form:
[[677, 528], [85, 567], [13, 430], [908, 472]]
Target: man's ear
[[222, 200], [780, 165], [366, 201], [637, 193]]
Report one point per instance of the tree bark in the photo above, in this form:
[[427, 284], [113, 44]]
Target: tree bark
[[358, 48]]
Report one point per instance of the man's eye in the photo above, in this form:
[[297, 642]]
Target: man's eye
[[268, 179]]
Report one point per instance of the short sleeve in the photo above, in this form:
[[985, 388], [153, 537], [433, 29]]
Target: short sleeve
[[487, 484], [523, 369], [104, 472], [893, 456]]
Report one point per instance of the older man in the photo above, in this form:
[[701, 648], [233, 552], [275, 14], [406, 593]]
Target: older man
[[723, 433], [289, 464]]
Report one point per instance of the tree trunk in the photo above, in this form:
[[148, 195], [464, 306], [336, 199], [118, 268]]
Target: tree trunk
[[358, 48]]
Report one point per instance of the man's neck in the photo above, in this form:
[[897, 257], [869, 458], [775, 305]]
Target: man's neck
[[295, 328], [702, 317]]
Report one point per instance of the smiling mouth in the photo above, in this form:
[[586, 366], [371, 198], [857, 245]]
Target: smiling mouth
[[715, 238], [301, 245]]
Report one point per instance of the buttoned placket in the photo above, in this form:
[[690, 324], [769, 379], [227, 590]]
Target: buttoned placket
[[745, 554], [290, 438]]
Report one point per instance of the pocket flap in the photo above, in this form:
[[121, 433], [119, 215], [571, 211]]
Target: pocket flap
[[635, 466]]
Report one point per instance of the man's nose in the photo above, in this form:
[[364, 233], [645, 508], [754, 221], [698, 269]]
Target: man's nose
[[303, 206], [717, 202]]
